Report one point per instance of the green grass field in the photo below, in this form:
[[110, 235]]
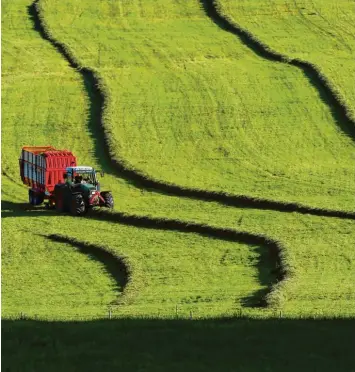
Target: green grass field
[[284, 25], [257, 129], [187, 104]]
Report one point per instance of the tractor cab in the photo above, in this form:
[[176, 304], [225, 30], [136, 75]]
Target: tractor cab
[[80, 191], [82, 175]]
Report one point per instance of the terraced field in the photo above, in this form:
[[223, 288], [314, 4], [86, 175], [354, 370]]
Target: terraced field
[[233, 184]]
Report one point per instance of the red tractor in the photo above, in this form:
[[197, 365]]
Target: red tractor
[[53, 174]]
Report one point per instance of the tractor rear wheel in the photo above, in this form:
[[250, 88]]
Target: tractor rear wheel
[[77, 206], [35, 198], [108, 199], [39, 199]]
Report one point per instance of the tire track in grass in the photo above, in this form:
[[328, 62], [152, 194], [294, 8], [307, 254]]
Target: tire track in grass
[[309, 24], [101, 137], [337, 34], [338, 108]]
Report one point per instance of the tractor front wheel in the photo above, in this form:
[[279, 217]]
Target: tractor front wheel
[[77, 206], [108, 199]]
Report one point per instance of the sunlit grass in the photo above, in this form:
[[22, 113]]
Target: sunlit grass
[[317, 31], [45, 103], [221, 118]]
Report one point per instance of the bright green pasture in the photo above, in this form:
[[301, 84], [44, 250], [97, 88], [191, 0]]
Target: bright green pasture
[[318, 31], [174, 268], [167, 269], [172, 274], [45, 278], [52, 280], [189, 104]]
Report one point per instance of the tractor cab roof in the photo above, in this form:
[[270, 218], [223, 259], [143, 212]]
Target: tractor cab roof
[[80, 169]]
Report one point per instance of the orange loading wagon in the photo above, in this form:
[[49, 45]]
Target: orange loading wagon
[[41, 168]]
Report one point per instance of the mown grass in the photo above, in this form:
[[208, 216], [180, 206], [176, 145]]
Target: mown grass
[[315, 247], [317, 31], [258, 129], [47, 274], [166, 269]]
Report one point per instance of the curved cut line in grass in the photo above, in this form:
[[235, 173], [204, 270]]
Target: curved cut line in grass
[[276, 249], [338, 107], [272, 297], [115, 265], [119, 167]]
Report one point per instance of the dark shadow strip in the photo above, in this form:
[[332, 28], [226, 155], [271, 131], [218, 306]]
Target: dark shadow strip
[[102, 148]]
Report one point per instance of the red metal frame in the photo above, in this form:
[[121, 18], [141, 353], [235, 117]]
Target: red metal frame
[[95, 196], [44, 166]]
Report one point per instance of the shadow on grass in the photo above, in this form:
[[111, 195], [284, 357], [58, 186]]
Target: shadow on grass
[[269, 265], [179, 345]]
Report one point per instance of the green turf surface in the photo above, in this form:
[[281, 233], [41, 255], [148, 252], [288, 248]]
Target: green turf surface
[[221, 117], [166, 269], [171, 271], [317, 31], [313, 246]]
